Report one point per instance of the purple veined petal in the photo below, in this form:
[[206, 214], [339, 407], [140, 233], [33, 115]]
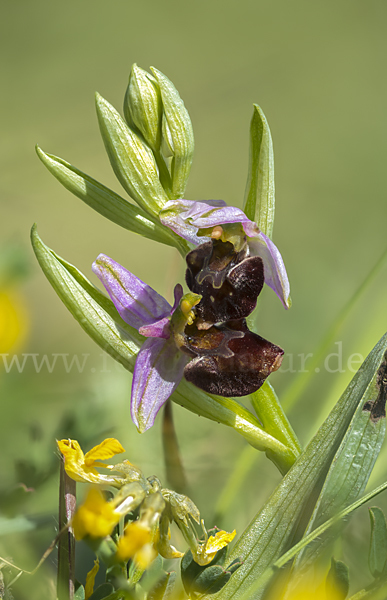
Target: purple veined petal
[[274, 268], [158, 370], [160, 329], [182, 215], [137, 303]]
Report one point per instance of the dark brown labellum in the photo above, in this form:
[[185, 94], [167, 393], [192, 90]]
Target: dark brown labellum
[[230, 359], [228, 281]]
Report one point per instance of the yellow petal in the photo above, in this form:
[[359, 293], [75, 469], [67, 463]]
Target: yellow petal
[[90, 578], [218, 541], [135, 537], [145, 556], [105, 449], [75, 466], [96, 517]]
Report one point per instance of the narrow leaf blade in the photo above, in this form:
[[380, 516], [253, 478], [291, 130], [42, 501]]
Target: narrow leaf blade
[[283, 519], [259, 203], [105, 201], [351, 467], [377, 556]]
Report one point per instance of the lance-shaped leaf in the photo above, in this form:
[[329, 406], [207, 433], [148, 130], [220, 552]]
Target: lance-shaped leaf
[[108, 203], [132, 160], [337, 581], [352, 465], [98, 316], [377, 556], [180, 138], [284, 518], [95, 312], [259, 195]]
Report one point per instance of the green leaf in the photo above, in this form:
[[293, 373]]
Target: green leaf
[[337, 581], [92, 309], [259, 583], [351, 467], [80, 593], [132, 160], [285, 516], [377, 556], [180, 134], [211, 580], [164, 588], [106, 202], [259, 203]]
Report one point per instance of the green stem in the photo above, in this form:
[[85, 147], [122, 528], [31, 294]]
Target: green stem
[[175, 474], [273, 418], [66, 546]]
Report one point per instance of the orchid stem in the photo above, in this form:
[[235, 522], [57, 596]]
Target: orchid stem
[[273, 418], [173, 464], [66, 545]]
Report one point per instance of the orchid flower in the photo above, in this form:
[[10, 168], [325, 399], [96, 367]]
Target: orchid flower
[[203, 337], [192, 220]]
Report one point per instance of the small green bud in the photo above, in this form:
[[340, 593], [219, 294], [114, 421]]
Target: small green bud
[[143, 107], [177, 133], [132, 160]]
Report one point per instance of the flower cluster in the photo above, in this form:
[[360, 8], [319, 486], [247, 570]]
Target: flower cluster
[[148, 535]]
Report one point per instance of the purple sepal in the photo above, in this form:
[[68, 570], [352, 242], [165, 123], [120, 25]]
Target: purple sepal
[[274, 268], [158, 370], [137, 303], [183, 216], [186, 217]]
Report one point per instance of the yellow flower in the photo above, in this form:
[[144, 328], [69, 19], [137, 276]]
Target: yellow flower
[[306, 591], [13, 321], [96, 517], [136, 543], [206, 552], [82, 467], [90, 579]]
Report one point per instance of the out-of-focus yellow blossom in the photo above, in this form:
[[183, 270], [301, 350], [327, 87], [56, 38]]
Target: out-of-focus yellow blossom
[[136, 536], [82, 467], [308, 592], [90, 579], [14, 322], [96, 517]]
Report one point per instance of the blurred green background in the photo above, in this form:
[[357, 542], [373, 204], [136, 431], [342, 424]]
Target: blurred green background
[[318, 71]]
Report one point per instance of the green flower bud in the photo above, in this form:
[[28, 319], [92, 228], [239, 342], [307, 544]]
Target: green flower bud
[[132, 160], [143, 107], [177, 134]]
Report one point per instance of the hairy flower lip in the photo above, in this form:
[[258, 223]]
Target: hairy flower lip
[[186, 217]]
